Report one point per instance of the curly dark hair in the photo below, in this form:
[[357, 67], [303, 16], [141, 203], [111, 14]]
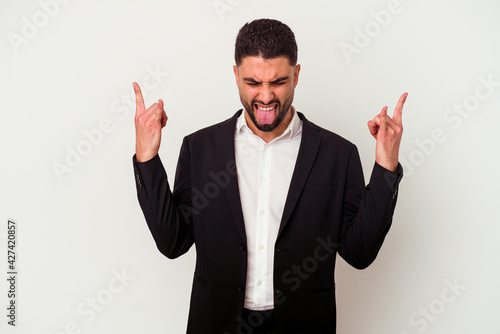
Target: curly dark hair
[[267, 38]]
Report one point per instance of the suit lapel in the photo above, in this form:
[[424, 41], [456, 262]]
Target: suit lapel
[[225, 155], [309, 145]]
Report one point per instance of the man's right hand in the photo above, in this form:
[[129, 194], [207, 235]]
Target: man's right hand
[[148, 125]]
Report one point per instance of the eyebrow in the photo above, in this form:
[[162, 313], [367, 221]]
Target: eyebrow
[[252, 80]]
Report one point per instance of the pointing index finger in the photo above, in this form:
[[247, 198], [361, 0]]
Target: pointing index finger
[[399, 108], [139, 100]]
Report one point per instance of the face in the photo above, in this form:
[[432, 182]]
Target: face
[[266, 89]]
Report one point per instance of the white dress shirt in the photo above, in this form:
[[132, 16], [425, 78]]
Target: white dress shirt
[[264, 175]]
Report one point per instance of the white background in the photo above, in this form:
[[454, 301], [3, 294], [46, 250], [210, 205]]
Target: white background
[[77, 232]]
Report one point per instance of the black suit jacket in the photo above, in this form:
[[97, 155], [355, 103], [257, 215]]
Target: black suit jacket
[[328, 210]]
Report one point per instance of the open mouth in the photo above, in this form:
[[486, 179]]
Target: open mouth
[[265, 114]]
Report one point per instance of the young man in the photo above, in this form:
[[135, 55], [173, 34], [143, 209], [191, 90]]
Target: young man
[[267, 197]]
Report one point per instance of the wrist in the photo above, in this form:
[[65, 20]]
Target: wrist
[[142, 156]]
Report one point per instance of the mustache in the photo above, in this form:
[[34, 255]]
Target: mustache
[[266, 104]]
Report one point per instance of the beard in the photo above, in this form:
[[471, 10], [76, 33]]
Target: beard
[[280, 113]]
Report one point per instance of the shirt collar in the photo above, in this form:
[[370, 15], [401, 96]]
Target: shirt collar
[[291, 131]]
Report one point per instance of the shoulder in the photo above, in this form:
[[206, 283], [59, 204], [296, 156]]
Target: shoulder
[[225, 127], [328, 137]]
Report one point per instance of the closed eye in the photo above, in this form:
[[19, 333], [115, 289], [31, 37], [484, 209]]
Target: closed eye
[[278, 82]]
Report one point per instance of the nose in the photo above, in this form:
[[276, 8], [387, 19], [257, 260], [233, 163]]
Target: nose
[[266, 94]]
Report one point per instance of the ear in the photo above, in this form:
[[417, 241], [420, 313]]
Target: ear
[[236, 75], [296, 75]]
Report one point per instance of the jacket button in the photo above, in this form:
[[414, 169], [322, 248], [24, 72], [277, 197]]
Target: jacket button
[[243, 247], [239, 288]]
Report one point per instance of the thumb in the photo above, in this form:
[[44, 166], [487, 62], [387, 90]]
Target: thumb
[[372, 127], [384, 111]]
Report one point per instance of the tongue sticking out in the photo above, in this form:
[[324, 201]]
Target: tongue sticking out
[[265, 116]]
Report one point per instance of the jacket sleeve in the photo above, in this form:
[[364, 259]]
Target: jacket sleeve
[[167, 214], [367, 211]]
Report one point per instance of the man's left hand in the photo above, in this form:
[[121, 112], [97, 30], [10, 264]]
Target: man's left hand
[[388, 132]]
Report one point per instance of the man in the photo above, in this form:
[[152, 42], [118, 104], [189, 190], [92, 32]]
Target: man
[[267, 197]]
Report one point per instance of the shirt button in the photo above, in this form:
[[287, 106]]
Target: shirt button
[[262, 212], [261, 247], [263, 178], [259, 282], [266, 146]]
